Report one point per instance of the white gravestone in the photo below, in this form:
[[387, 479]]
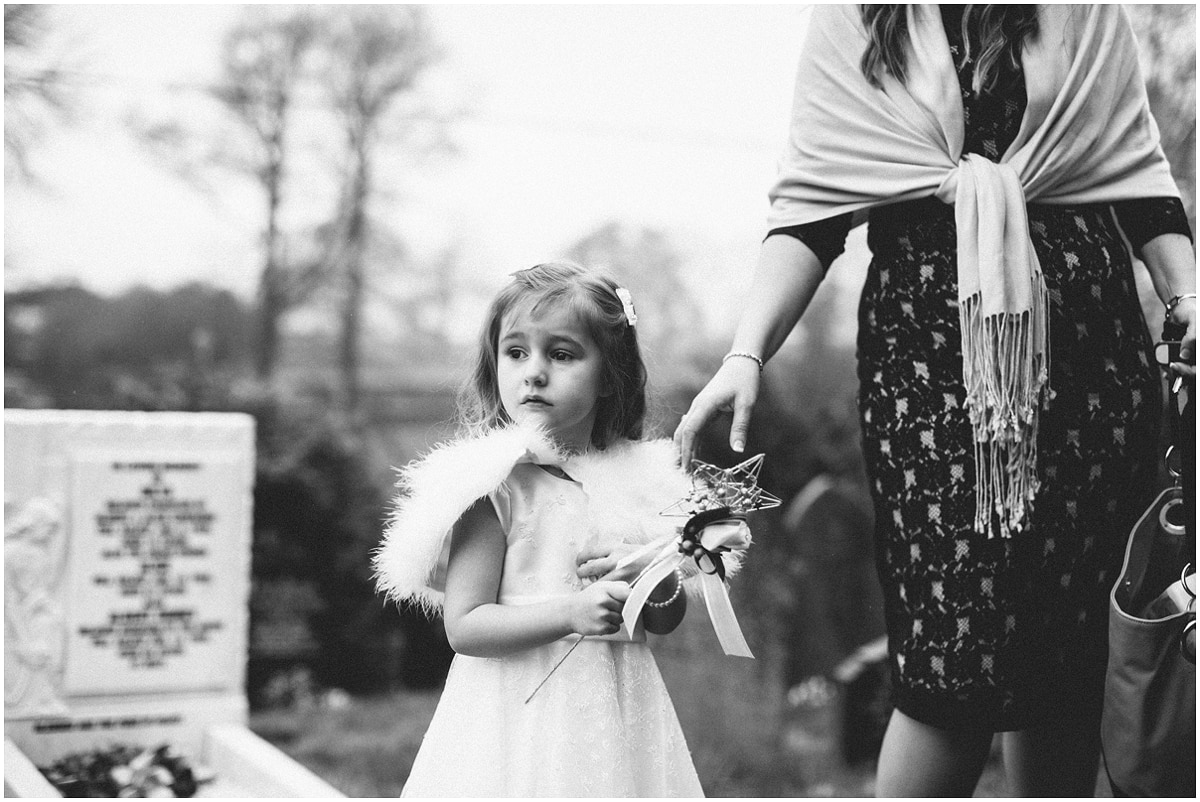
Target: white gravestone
[[127, 586]]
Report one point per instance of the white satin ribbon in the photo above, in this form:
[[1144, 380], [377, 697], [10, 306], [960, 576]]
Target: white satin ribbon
[[729, 534]]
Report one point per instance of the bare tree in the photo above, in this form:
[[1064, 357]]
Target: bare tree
[[264, 64], [34, 89], [374, 59], [266, 80]]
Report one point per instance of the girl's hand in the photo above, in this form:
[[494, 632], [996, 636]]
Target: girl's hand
[[596, 610], [600, 562], [1185, 314], [734, 387]]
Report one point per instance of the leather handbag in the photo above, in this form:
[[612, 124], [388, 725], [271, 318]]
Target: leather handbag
[[1148, 729]]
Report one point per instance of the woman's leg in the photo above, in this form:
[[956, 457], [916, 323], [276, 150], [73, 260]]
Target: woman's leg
[[1053, 760], [918, 760]]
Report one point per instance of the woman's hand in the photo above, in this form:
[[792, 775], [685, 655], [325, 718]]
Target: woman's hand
[[1185, 314], [733, 388], [1171, 261], [596, 610], [785, 278]]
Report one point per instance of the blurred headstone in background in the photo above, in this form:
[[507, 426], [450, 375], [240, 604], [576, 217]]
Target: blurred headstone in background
[[838, 602], [836, 628], [812, 734], [127, 580], [866, 685]]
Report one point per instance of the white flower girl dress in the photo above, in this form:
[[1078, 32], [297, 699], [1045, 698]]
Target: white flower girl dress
[[602, 725]]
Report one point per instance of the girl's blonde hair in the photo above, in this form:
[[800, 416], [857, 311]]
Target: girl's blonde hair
[[999, 30], [591, 296]]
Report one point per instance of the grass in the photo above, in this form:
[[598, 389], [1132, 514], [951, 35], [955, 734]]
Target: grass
[[728, 707], [367, 749], [745, 740], [364, 749], [730, 710]]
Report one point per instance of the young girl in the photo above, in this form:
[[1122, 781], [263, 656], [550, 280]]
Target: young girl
[[505, 528]]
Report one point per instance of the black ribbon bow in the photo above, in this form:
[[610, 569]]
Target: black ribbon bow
[[707, 560]]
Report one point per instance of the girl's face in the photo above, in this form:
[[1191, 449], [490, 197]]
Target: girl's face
[[549, 371]]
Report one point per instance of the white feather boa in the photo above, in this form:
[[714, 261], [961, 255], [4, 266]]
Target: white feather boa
[[627, 485]]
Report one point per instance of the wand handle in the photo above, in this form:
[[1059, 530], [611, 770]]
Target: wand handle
[[556, 665]]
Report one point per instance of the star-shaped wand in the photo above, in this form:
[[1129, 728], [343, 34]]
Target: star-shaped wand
[[735, 489]]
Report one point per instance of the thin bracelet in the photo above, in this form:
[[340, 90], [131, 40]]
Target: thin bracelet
[[746, 354], [674, 596], [1176, 301]]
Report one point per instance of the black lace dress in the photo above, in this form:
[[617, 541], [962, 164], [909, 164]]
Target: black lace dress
[[1003, 632]]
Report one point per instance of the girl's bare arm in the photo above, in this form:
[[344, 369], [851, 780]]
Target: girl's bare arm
[[477, 625]]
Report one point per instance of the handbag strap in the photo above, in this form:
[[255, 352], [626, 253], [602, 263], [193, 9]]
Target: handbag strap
[[1186, 443], [1183, 436]]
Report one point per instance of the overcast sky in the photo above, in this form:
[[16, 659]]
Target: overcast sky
[[669, 116]]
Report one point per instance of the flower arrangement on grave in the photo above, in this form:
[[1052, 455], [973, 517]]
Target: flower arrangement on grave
[[124, 772]]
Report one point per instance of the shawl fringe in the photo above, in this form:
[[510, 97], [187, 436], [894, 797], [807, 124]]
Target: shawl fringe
[[1005, 377]]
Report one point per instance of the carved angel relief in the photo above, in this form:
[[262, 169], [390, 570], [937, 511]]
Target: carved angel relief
[[34, 564]]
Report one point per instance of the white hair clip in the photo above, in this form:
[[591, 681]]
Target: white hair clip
[[627, 303]]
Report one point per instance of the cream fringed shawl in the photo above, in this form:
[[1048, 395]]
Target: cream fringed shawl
[[1087, 137], [627, 486]]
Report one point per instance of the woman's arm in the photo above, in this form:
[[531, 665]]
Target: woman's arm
[[787, 276], [1171, 260], [477, 625]]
